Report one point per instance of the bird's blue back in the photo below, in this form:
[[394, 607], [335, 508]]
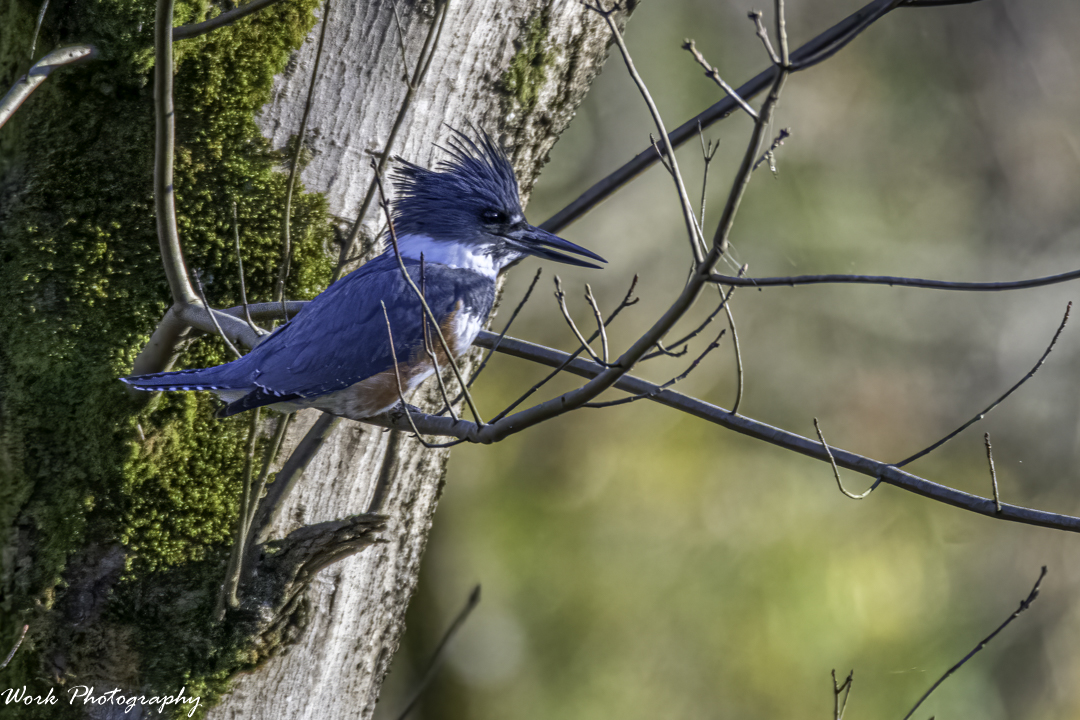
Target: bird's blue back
[[340, 337]]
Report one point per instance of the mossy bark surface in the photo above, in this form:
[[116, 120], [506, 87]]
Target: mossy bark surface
[[116, 514]]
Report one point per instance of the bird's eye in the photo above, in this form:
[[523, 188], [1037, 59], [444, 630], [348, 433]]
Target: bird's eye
[[493, 216]]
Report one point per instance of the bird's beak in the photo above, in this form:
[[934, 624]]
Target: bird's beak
[[544, 245]]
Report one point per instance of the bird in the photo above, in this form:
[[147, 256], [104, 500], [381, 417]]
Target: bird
[[365, 341]]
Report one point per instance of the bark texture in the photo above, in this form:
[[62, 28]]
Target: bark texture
[[517, 69], [116, 516]]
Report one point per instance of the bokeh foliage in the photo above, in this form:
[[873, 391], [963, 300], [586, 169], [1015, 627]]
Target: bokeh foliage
[[640, 564]]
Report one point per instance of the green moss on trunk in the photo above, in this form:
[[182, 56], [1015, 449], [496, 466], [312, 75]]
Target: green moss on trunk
[[84, 467], [528, 68]]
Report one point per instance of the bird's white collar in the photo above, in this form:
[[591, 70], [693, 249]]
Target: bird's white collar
[[448, 253]]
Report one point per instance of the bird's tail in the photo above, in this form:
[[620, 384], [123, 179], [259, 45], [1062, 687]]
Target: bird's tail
[[201, 379]]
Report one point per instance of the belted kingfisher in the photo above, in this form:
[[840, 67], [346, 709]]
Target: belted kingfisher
[[465, 220]]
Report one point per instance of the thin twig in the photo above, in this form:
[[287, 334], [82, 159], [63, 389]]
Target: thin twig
[[1024, 605], [708, 152], [294, 168], [697, 242], [423, 302], [431, 43], [37, 27], [627, 301], [891, 281], [835, 37], [997, 402], [845, 688], [759, 25], [270, 507], [660, 155], [270, 456], [400, 388], [836, 474], [15, 649], [769, 155], [506, 328], [401, 39], [660, 388], [433, 664], [560, 297], [226, 18], [228, 597], [36, 75], [739, 373], [213, 316], [428, 349], [172, 256], [240, 265], [670, 351], [781, 33], [993, 472], [714, 74], [662, 351]]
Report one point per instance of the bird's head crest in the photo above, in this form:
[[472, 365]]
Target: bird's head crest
[[450, 201]]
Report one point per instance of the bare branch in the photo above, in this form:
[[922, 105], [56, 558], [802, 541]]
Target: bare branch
[[670, 350], [435, 425], [560, 296], [714, 74], [436, 657], [660, 388], [993, 472], [240, 265], [796, 280], [432, 425], [1024, 605], [234, 570], [997, 402], [294, 167], [599, 321], [845, 688], [213, 317], [742, 178], [428, 349], [696, 240], [172, 256], [627, 301], [708, 152], [839, 482], [37, 27], [401, 39], [36, 75], [759, 25], [506, 328], [15, 649], [226, 18], [739, 372], [835, 37], [781, 33], [769, 155]]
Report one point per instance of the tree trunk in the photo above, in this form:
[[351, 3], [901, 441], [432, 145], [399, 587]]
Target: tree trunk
[[117, 515]]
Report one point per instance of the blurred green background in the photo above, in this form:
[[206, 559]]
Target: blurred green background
[[638, 563]]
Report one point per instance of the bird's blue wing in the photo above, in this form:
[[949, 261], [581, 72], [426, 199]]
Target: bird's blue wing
[[341, 337]]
